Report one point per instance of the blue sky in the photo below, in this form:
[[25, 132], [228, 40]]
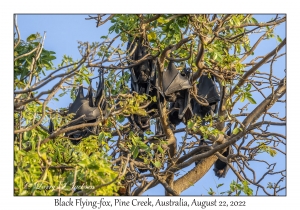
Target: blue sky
[[62, 34]]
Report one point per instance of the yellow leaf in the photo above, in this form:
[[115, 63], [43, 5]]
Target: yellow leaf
[[151, 36], [154, 99], [161, 20]]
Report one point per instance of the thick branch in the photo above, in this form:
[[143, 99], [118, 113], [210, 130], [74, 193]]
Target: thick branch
[[194, 175], [199, 60]]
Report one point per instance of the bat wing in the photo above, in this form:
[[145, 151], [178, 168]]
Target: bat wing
[[177, 85], [208, 90], [173, 81]]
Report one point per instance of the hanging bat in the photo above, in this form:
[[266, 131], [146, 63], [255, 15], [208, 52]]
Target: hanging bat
[[86, 110], [143, 80], [176, 87]]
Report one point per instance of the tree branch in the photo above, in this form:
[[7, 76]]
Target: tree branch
[[254, 68]]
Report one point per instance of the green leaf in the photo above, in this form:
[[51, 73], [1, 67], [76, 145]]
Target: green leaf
[[143, 146], [248, 191], [272, 152], [248, 88], [86, 79], [84, 163], [31, 37], [252, 101], [135, 151], [112, 28], [245, 183], [211, 192], [279, 39], [160, 149], [120, 118], [270, 185], [154, 99], [62, 94], [149, 132], [108, 135], [242, 98], [27, 135], [101, 136], [151, 36], [215, 56], [220, 185], [190, 124], [223, 82], [236, 131], [161, 20], [254, 20], [157, 164], [50, 177]]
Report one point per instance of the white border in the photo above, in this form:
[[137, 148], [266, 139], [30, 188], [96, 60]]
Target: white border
[[8, 201]]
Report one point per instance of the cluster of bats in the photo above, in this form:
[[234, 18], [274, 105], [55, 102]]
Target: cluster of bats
[[176, 87]]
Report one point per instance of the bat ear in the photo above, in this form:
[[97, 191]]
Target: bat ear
[[51, 127], [100, 92], [228, 129], [80, 92], [77, 103], [90, 95], [83, 107], [86, 110]]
